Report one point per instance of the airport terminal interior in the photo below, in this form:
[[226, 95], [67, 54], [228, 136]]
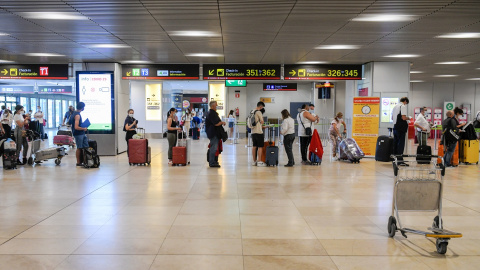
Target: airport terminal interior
[[351, 200]]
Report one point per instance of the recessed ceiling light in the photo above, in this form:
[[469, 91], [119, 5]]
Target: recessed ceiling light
[[473, 79], [403, 55], [460, 35], [53, 15], [6, 61], [312, 62], [44, 54], [415, 71], [445, 76], [337, 47], [110, 46], [417, 81], [384, 18], [452, 63], [4, 34], [194, 34], [136, 62], [204, 55]]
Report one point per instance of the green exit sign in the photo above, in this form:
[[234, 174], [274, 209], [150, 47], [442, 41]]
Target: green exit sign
[[237, 83]]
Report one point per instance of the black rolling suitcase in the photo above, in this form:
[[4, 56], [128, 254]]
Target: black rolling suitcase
[[272, 156], [384, 147], [424, 154]]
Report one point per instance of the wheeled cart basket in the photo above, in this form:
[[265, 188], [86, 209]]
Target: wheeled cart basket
[[419, 187]]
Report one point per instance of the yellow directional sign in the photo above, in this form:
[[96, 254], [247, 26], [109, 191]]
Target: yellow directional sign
[[301, 72], [211, 71], [13, 72], [292, 73], [4, 72], [220, 72], [129, 73]]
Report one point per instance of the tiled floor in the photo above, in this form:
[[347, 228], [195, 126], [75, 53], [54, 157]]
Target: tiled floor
[[332, 216]]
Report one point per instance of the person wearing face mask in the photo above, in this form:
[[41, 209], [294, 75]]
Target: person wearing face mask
[[187, 119], [305, 130], [40, 118], [66, 117], [7, 121], [19, 128], [423, 127], [257, 135], [79, 132], [129, 126], [334, 132], [312, 112]]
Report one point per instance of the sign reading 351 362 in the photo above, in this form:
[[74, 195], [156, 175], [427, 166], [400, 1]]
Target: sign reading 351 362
[[241, 72]]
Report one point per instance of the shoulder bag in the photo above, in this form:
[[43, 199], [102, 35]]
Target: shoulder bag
[[308, 131]]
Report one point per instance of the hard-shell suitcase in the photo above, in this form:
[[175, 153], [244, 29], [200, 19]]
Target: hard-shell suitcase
[[56, 153], [63, 140], [138, 152], [65, 132], [179, 155], [384, 148], [349, 150], [424, 153], [271, 156], [468, 151], [269, 142], [455, 157]]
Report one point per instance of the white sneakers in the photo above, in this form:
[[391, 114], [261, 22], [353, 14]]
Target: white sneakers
[[254, 163], [261, 164]]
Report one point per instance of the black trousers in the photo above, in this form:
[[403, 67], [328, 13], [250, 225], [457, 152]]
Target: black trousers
[[8, 131], [129, 134], [304, 143], [288, 143]]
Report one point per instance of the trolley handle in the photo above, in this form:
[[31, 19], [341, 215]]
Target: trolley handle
[[396, 162]]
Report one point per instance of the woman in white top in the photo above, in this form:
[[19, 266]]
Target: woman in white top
[[187, 118], [305, 130], [6, 120], [19, 128], [288, 132], [231, 122], [334, 131]]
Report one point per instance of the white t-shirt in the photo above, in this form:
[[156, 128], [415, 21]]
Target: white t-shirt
[[421, 121], [18, 117], [400, 107], [288, 126], [307, 123], [39, 116], [7, 120], [257, 129]]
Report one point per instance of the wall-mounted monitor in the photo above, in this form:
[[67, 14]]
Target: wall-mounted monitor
[[279, 87], [96, 90]]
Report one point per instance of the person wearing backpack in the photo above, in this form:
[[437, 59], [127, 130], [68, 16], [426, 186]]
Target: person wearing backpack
[[255, 123], [305, 130]]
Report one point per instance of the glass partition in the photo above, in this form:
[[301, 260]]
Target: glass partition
[[50, 112], [58, 112]]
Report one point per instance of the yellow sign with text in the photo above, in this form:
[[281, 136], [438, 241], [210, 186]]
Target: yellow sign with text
[[366, 119]]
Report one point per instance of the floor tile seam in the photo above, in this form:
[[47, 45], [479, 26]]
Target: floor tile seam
[[75, 201], [459, 204]]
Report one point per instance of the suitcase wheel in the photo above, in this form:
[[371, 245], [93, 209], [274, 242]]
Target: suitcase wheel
[[30, 161], [58, 161]]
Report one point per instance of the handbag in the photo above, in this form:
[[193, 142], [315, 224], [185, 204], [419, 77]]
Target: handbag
[[308, 131], [401, 125], [221, 133]]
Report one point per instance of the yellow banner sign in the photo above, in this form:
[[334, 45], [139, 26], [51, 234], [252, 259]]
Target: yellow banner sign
[[366, 118]]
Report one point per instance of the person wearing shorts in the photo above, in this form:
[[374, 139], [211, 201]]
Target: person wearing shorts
[[79, 132], [257, 135]]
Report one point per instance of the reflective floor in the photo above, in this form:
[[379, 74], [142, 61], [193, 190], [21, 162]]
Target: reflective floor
[[332, 216]]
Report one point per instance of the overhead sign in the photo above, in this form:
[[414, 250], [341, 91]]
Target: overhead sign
[[237, 83], [54, 89], [11, 89], [95, 89], [153, 95], [267, 99], [366, 112], [37, 72], [241, 72], [161, 72], [279, 87], [323, 72]]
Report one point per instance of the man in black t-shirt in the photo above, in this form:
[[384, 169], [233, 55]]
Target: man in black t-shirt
[[211, 123]]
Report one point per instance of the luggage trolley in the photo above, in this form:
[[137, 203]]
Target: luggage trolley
[[419, 187]]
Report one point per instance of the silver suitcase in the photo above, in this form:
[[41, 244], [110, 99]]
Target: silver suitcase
[[50, 153]]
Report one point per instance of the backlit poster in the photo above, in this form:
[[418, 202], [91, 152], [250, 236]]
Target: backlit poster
[[95, 89], [387, 107], [153, 102], [365, 123]]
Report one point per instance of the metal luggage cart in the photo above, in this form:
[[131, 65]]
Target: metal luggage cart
[[419, 187]]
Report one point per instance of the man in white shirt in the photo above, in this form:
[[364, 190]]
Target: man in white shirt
[[423, 127], [400, 126], [39, 117]]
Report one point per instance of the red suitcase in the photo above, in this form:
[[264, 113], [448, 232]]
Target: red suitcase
[[63, 140], [179, 156], [139, 152]]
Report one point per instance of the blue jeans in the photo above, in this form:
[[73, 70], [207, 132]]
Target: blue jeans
[[398, 142], [449, 153], [213, 150], [42, 131], [81, 141]]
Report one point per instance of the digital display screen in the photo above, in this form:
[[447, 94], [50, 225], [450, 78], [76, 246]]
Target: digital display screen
[[95, 89], [323, 72], [387, 107], [279, 87], [241, 72]]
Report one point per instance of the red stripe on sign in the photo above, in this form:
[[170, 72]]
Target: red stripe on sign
[[241, 78], [35, 78], [321, 78], [160, 78], [280, 90]]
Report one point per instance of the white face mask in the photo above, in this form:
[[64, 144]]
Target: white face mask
[[131, 115]]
